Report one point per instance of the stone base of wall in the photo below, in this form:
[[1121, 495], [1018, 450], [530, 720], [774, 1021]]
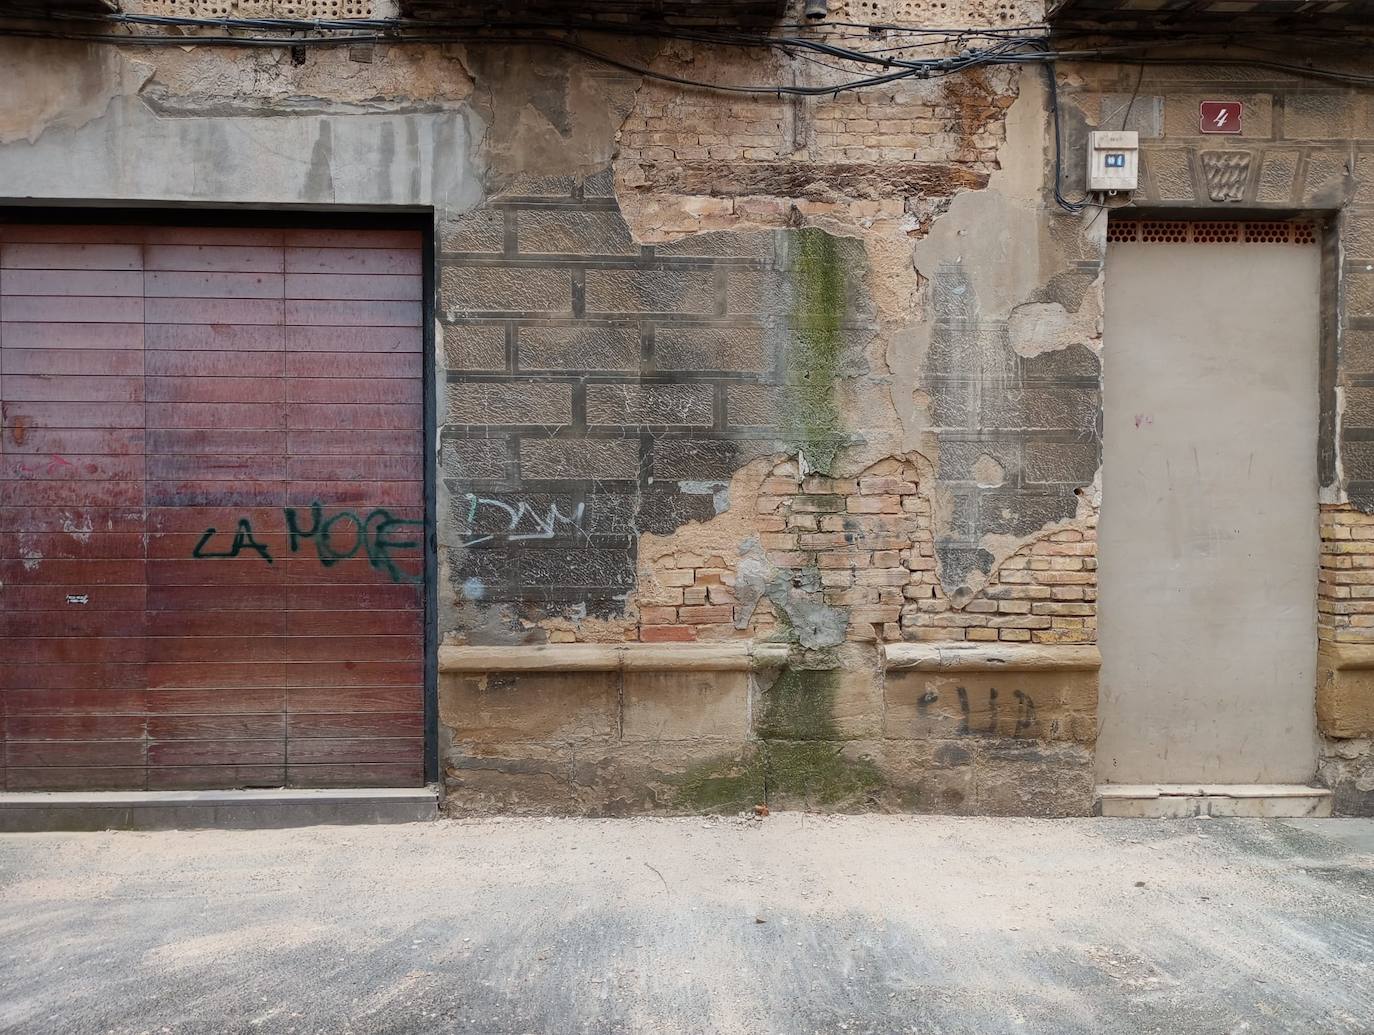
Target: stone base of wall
[[592, 730], [1346, 766], [1345, 717]]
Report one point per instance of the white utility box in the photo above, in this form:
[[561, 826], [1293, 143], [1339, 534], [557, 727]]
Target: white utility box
[[1113, 160]]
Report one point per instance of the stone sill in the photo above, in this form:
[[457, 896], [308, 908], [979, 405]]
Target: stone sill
[[1346, 657], [969, 657], [1180, 801], [745, 656], [739, 656]]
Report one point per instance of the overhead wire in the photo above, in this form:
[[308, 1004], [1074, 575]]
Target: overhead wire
[[997, 45]]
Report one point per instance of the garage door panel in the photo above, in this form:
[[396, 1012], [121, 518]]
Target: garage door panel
[[349, 700], [354, 674], [349, 648], [248, 311], [70, 493], [221, 466], [76, 753], [61, 336], [77, 650], [213, 599], [15, 624], [403, 774], [96, 283], [211, 777], [75, 727], [161, 363], [78, 522], [214, 257], [74, 362], [68, 255], [366, 365], [368, 287], [193, 521], [73, 309], [86, 600], [65, 677], [69, 467], [215, 389], [71, 388], [47, 572], [248, 726], [361, 390], [210, 649], [76, 778], [214, 338], [226, 516], [243, 701], [349, 417], [339, 313], [176, 284], [330, 443], [408, 623], [356, 724], [314, 597], [217, 416], [354, 339], [340, 467], [347, 259], [217, 752], [214, 624], [20, 416], [66, 546], [343, 751], [19, 703]]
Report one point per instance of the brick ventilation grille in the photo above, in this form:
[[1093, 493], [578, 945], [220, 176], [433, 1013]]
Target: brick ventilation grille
[[323, 10], [931, 13], [1209, 231]]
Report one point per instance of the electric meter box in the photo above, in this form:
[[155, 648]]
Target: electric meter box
[[1113, 160]]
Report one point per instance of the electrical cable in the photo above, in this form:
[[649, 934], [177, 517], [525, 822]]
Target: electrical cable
[[1003, 46]]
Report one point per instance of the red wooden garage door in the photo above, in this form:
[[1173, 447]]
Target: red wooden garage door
[[211, 511]]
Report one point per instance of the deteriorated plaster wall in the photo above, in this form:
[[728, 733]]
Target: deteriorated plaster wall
[[821, 371], [764, 374]]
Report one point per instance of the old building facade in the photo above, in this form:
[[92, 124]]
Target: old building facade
[[515, 408]]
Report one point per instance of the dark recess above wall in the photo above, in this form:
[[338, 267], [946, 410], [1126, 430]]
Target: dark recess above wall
[[753, 13], [1218, 15]]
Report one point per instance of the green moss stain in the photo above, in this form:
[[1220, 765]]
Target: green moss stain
[[812, 418], [798, 761], [783, 773], [800, 705], [818, 773], [730, 784]]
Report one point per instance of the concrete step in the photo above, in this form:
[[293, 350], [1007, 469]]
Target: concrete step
[[26, 811], [1181, 800]]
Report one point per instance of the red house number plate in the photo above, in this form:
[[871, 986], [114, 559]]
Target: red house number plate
[[1220, 116]]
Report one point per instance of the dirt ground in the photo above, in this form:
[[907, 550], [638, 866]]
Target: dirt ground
[[791, 924]]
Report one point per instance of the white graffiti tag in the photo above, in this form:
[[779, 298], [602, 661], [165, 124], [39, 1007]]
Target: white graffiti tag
[[522, 520]]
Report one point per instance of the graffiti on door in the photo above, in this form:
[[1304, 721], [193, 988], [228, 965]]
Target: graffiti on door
[[378, 535]]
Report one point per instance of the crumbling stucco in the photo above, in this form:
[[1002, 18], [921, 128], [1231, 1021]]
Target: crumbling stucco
[[48, 83]]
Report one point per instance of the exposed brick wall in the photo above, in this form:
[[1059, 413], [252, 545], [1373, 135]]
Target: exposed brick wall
[[864, 546], [1345, 591]]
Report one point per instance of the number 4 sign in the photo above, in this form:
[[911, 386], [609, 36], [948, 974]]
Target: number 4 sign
[[1220, 117]]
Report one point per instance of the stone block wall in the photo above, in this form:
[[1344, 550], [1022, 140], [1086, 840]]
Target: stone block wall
[[596, 390]]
